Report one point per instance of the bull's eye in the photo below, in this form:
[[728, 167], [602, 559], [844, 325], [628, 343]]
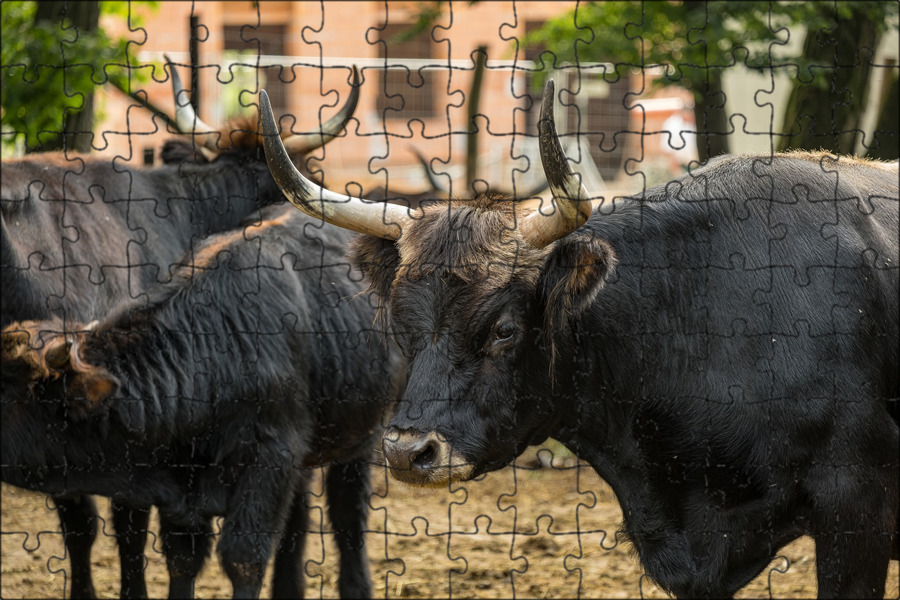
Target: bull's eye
[[505, 332]]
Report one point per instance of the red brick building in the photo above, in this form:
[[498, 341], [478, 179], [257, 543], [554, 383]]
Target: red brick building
[[305, 51]]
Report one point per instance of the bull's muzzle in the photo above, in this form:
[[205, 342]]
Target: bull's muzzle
[[422, 458]]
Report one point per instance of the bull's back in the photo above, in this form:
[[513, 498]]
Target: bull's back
[[87, 234], [760, 280], [78, 233]]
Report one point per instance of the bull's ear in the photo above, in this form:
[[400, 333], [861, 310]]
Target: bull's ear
[[57, 354], [573, 274], [90, 392], [378, 259]]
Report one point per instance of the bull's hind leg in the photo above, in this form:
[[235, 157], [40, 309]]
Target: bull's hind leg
[[78, 519], [130, 525], [287, 579], [853, 526], [347, 488], [186, 549], [852, 560]]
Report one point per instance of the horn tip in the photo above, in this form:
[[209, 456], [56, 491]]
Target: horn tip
[[549, 92]]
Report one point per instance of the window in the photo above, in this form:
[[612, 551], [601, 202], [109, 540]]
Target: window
[[598, 112], [601, 105], [414, 87], [243, 45]]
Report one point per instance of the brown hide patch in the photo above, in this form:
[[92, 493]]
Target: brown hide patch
[[241, 135], [205, 257], [90, 391], [67, 160]]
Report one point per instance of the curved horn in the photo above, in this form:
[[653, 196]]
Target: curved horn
[[372, 218], [570, 198], [301, 144], [428, 174], [186, 119]]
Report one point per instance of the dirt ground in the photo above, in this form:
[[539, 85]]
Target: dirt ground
[[523, 532]]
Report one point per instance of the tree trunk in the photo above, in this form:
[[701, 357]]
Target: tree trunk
[[78, 124], [472, 105], [886, 138], [826, 112], [712, 120]]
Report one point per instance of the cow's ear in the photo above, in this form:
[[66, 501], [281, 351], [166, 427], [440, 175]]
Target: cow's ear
[[573, 274], [378, 259], [90, 391], [56, 355]]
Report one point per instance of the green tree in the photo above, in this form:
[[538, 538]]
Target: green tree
[[886, 138], [829, 95], [696, 42], [53, 57]]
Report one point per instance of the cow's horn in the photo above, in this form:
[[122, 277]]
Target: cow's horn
[[432, 181], [301, 144], [186, 119], [571, 200], [373, 218]]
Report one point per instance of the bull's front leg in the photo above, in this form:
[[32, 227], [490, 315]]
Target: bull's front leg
[[287, 577], [854, 522], [78, 519], [186, 548], [347, 489], [130, 525], [257, 509]]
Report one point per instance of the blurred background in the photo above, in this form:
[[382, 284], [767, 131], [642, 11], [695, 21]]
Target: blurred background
[[446, 78], [646, 91]]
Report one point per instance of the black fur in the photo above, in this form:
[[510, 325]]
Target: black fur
[[255, 363], [734, 379], [81, 235]]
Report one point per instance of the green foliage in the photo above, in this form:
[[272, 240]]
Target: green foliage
[[688, 39], [427, 14], [47, 68]]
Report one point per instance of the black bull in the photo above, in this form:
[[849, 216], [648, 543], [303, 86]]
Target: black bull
[[214, 397], [82, 235], [722, 349]]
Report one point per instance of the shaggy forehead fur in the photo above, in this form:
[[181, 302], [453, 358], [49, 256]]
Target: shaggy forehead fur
[[31, 341], [240, 135], [476, 240]]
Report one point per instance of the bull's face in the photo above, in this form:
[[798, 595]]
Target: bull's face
[[480, 296], [42, 371], [482, 325]]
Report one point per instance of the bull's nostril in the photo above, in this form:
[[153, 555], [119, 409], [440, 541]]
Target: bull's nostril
[[425, 458]]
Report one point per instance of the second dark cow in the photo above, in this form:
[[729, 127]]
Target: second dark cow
[[257, 362]]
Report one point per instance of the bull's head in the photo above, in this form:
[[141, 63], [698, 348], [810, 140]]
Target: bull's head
[[38, 356], [210, 141], [480, 295]]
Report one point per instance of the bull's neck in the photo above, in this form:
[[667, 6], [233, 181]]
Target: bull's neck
[[173, 360], [240, 188]]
